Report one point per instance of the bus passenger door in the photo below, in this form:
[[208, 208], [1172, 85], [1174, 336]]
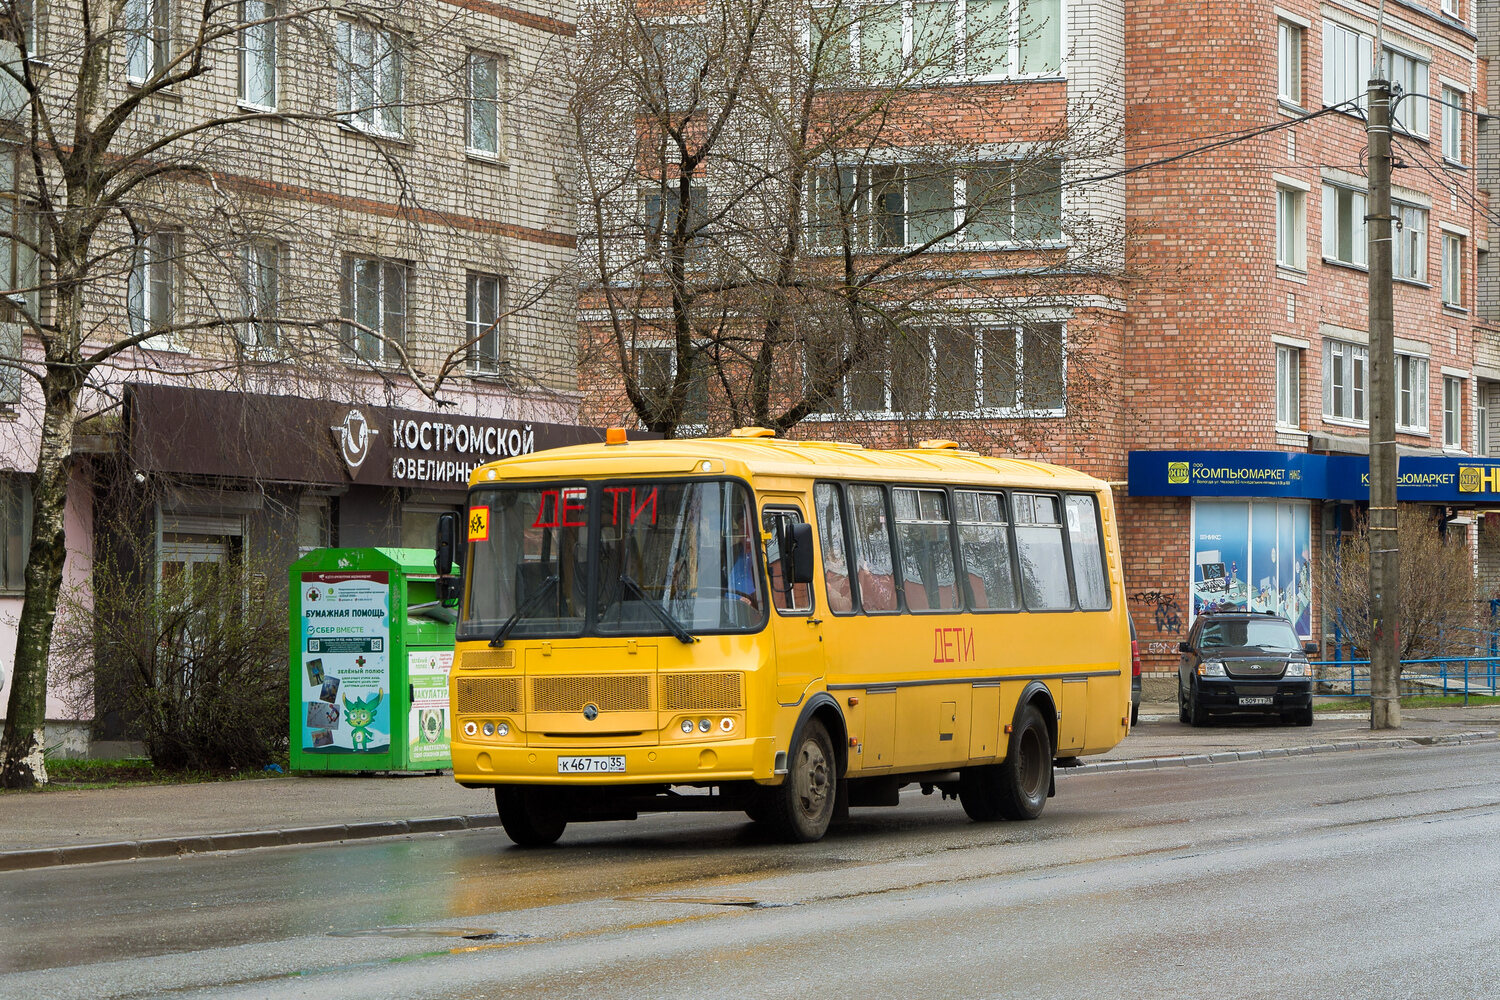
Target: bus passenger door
[[795, 629]]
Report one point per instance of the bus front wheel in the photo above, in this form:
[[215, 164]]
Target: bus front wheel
[[1017, 787], [801, 807], [530, 816]]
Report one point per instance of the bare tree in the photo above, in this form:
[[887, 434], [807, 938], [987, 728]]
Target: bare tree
[[150, 187], [791, 209], [1440, 598]]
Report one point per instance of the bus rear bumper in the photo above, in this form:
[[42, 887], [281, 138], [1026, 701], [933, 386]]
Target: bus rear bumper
[[687, 764]]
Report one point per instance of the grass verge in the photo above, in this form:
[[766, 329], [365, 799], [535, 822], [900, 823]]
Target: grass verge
[[1410, 701], [67, 774]]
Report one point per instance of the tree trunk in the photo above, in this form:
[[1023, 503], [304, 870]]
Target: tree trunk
[[23, 743]]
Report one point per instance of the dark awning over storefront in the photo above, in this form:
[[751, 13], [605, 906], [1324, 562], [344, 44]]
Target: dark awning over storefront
[[291, 439], [1436, 479]]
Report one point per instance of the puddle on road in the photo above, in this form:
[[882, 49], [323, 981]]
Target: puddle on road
[[467, 933]]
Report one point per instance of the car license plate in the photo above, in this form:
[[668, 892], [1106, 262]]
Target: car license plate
[[591, 765], [1247, 702]]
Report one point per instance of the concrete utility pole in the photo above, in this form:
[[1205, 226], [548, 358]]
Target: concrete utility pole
[[1385, 609]]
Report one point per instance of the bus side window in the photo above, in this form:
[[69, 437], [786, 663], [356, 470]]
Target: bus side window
[[1039, 544], [926, 545], [829, 507], [875, 573], [1088, 554], [784, 598]]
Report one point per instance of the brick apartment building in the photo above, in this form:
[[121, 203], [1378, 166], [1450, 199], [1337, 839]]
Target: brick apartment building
[[403, 166], [1222, 386]]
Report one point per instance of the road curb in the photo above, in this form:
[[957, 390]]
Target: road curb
[[163, 847], [1235, 756]]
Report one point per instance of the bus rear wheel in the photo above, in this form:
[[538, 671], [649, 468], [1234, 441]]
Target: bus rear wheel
[[530, 816], [801, 807], [1017, 787]]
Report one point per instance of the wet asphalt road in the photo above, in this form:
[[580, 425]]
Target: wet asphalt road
[[1367, 874]]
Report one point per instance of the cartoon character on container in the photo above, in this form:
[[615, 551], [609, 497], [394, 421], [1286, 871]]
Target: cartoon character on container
[[360, 713]]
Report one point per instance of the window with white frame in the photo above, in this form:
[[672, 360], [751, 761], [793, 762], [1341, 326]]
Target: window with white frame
[[1481, 422], [1453, 125], [151, 289], [1347, 58], [1450, 7], [914, 204], [982, 39], [257, 52], [15, 513], [20, 270], [147, 38], [1291, 227], [486, 77], [1288, 386], [27, 15], [1453, 270], [1289, 62], [486, 312], [680, 54], [370, 87], [661, 209], [1344, 238], [374, 308], [1409, 243], [1411, 393], [1453, 412], [1346, 372], [1408, 77], [992, 370], [656, 370], [262, 276]]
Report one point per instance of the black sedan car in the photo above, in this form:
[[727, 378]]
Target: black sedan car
[[1244, 662]]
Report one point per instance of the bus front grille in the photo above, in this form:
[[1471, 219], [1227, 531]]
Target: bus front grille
[[488, 695], [612, 693], [701, 692]]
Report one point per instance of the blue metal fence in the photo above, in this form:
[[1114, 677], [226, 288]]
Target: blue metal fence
[[1438, 675]]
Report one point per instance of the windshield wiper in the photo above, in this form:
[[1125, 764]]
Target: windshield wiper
[[531, 604], [667, 618]]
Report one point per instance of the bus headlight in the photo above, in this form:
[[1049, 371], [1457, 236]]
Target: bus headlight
[[704, 725], [687, 725], [1211, 668], [489, 729], [503, 729]]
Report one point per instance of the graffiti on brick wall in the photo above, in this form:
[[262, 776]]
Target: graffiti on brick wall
[[1160, 648], [1168, 612]]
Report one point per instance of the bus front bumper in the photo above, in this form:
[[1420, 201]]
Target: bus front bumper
[[686, 764]]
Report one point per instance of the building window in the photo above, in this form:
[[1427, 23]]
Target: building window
[[1345, 380], [660, 212], [258, 53], [1453, 270], [1409, 245], [994, 371], [262, 262], [1408, 76], [656, 370], [151, 289], [985, 39], [1288, 62], [15, 512], [20, 270], [1344, 238], [1481, 423], [486, 72], [374, 308], [917, 204], [1453, 125], [1453, 401], [1411, 394], [1291, 228], [26, 14], [1450, 7], [1288, 386], [486, 304], [369, 78], [146, 38], [1347, 57]]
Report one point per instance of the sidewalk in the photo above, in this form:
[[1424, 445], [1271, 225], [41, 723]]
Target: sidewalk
[[72, 827]]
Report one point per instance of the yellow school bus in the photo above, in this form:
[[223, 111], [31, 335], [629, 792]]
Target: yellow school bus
[[784, 628]]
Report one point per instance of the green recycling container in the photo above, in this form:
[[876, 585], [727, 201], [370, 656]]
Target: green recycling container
[[371, 650]]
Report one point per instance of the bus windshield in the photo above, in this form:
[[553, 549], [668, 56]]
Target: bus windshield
[[666, 557]]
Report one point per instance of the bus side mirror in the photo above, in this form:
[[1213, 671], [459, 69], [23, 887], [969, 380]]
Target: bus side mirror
[[448, 585], [802, 552]]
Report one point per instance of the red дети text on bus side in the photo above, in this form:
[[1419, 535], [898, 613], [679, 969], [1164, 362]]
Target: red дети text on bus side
[[952, 645], [568, 508]]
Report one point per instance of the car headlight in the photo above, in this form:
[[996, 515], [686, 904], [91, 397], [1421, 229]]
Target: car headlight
[[1298, 668], [1211, 668]]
